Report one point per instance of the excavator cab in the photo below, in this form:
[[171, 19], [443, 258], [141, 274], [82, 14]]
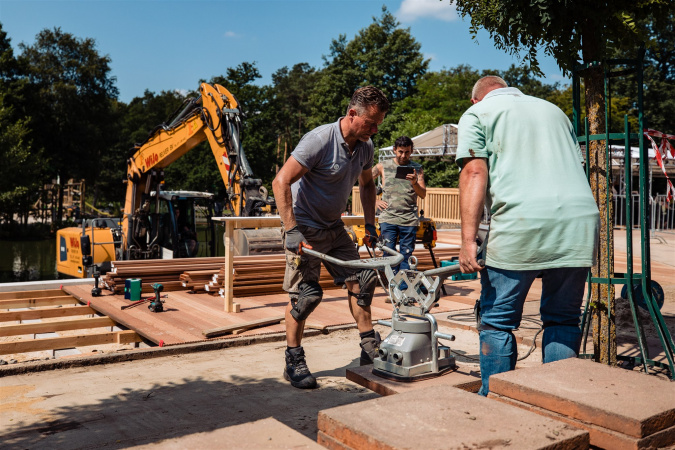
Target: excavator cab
[[174, 224]]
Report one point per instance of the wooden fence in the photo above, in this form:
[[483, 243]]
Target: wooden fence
[[440, 204]]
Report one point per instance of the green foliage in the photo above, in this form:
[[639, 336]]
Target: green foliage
[[563, 30], [20, 168], [659, 78], [291, 106], [381, 55], [69, 100]]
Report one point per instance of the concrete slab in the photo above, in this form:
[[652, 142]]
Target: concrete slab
[[440, 417], [462, 378], [624, 401], [265, 434]]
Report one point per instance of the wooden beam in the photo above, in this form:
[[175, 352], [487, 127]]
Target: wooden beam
[[213, 332], [30, 294], [36, 301], [49, 327], [36, 345], [45, 313]]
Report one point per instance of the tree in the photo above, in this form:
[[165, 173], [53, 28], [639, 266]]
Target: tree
[[567, 30], [382, 55], [20, 171], [70, 103], [290, 103], [21, 166]]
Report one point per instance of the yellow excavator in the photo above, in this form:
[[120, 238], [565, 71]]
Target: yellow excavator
[[161, 224]]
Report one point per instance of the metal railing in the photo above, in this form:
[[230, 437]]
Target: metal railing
[[661, 212]]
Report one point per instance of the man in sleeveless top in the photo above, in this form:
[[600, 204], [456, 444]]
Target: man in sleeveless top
[[311, 192], [399, 218]]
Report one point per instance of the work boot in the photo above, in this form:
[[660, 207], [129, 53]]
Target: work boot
[[296, 370], [369, 348]]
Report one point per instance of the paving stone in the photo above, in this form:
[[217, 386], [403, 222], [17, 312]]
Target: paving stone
[[441, 417], [461, 378], [627, 402], [603, 437], [265, 434]]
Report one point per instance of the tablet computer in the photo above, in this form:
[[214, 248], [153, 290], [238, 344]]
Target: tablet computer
[[402, 171]]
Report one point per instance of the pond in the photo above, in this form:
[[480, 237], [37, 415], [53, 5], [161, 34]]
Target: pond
[[28, 260], [36, 260]]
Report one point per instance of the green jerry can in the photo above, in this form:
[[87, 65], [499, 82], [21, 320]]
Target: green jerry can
[[132, 289]]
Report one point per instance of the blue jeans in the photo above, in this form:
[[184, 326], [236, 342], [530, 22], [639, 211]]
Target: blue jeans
[[406, 237], [502, 298]]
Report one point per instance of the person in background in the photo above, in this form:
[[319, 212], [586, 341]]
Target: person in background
[[399, 217], [519, 154]]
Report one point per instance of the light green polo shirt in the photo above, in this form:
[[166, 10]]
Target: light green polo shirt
[[543, 212]]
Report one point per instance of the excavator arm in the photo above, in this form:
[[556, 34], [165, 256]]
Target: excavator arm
[[215, 116]]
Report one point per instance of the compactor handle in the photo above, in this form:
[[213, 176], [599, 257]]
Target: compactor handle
[[378, 263]]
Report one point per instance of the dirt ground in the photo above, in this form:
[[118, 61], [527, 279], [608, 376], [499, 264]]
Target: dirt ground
[[123, 404], [139, 402]]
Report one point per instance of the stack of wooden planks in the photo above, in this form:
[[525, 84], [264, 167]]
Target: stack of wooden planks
[[253, 275], [164, 271]]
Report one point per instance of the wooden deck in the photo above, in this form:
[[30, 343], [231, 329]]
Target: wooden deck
[[186, 316]]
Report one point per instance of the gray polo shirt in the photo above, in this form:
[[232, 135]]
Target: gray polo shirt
[[321, 195]]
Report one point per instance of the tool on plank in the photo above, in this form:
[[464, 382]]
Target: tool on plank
[[156, 303], [412, 350]]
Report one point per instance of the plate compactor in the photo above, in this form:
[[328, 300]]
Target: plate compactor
[[411, 351]]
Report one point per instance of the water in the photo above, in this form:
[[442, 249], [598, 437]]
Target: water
[[36, 260], [28, 260]]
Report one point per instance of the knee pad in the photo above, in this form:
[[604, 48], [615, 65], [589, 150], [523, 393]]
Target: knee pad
[[367, 280], [309, 297]]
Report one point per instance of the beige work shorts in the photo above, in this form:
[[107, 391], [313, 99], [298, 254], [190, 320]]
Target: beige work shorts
[[334, 242]]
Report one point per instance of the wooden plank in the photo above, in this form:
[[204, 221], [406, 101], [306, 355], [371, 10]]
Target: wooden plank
[[36, 345], [45, 313], [37, 301], [30, 294], [213, 332], [49, 327]]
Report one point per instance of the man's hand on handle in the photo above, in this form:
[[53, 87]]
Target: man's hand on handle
[[467, 258], [295, 241], [370, 239]]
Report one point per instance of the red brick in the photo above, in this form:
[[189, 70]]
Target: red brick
[[441, 417], [628, 402]]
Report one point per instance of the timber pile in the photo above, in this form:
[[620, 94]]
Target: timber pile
[[164, 271], [253, 275]]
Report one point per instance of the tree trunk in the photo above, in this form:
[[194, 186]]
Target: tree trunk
[[602, 295]]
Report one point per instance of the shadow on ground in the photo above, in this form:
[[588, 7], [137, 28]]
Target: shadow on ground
[[144, 416]]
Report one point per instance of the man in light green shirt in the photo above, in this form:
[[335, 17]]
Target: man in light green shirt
[[520, 156]]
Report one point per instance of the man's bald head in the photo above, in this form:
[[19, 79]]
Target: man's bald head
[[485, 85]]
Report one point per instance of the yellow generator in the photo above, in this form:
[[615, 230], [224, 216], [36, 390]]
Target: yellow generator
[[426, 232], [79, 249]]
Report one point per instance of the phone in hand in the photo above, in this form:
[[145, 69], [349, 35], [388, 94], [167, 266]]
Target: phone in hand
[[402, 171]]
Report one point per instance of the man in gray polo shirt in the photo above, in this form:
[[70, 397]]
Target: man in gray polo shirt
[[311, 192]]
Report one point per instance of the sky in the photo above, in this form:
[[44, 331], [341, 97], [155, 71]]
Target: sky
[[166, 45]]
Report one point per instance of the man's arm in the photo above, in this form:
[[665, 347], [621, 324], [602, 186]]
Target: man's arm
[[418, 184], [473, 181], [378, 171], [291, 172], [367, 192]]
